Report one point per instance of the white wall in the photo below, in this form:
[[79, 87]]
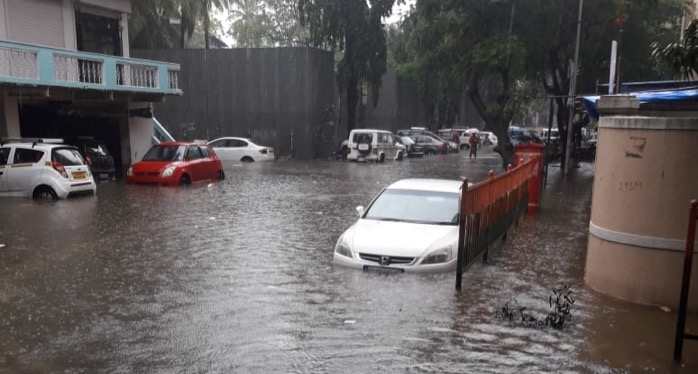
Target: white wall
[[123, 6], [9, 115], [140, 133], [35, 22], [3, 24]]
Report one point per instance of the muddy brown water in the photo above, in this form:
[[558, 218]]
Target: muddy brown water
[[237, 277]]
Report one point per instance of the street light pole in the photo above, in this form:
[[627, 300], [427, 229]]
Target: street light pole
[[573, 94]]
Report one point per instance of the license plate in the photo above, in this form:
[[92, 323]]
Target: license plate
[[103, 176], [79, 175], [382, 270]]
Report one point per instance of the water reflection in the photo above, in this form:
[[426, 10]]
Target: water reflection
[[237, 277]]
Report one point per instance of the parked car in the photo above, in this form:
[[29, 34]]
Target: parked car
[[98, 158], [488, 138], [430, 145], [177, 164], [413, 149], [32, 168], [241, 149], [343, 150], [451, 146], [412, 226], [373, 145]]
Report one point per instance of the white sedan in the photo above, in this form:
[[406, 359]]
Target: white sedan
[[241, 149], [411, 226]]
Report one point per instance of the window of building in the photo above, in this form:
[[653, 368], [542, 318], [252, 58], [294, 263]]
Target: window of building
[[98, 34]]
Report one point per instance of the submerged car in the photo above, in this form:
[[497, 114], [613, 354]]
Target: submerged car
[[36, 169], [241, 149], [176, 164], [411, 226], [98, 158]]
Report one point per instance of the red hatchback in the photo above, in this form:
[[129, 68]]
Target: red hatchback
[[176, 164]]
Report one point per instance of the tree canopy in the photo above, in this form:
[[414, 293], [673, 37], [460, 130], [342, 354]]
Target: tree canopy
[[681, 58], [502, 52], [355, 28]]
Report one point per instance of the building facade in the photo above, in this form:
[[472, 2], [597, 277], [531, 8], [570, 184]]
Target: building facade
[[65, 72]]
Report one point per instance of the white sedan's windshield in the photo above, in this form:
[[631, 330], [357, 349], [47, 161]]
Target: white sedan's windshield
[[430, 207]]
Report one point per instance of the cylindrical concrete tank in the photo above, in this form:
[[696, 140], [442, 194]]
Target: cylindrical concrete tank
[[646, 176]]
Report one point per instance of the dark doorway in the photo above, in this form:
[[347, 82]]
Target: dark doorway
[[36, 121]]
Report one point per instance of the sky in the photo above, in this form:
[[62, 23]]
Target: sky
[[399, 10]]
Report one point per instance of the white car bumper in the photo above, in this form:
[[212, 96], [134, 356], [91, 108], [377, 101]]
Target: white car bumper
[[416, 268]]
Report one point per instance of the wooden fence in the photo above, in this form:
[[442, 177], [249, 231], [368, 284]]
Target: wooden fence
[[487, 210], [681, 334]]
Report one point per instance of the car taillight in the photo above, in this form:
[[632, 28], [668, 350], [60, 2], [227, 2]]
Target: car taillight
[[263, 151], [59, 168]]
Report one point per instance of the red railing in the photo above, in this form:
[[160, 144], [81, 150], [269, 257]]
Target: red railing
[[686, 282], [487, 209]]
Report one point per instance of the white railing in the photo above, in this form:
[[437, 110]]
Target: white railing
[[17, 63], [73, 69], [173, 76], [134, 75]]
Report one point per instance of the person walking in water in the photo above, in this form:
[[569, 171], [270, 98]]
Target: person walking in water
[[473, 141]]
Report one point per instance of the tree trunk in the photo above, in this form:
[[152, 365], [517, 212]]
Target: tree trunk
[[207, 21], [352, 102], [562, 118], [181, 32]]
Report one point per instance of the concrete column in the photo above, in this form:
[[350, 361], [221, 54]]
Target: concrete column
[[645, 177], [123, 25], [3, 21], [9, 115], [69, 37], [140, 135]]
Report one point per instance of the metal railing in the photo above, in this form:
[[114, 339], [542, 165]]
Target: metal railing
[[487, 210], [681, 334], [33, 65], [160, 133]]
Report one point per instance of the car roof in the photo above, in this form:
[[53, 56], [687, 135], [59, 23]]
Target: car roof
[[427, 184], [38, 145], [369, 130], [178, 143]]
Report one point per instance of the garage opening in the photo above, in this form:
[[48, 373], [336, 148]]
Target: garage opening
[[37, 121]]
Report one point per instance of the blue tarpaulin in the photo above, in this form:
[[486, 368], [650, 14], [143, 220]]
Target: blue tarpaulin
[[646, 97]]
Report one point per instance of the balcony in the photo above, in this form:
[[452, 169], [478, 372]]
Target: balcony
[[24, 64]]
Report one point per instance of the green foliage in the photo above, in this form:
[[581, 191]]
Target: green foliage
[[680, 58], [354, 27], [266, 23]]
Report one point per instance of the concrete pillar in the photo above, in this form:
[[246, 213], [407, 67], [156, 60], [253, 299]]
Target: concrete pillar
[[9, 115], [140, 135], [646, 165]]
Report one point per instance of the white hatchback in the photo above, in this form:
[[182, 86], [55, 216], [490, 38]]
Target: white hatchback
[[240, 150], [43, 171], [411, 226]]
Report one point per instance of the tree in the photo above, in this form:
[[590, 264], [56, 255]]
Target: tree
[[496, 50], [356, 29], [149, 25], [266, 23], [681, 58]]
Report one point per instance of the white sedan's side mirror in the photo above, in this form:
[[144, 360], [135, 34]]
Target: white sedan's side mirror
[[360, 210]]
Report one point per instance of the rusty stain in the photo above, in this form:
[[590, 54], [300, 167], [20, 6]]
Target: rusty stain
[[636, 147]]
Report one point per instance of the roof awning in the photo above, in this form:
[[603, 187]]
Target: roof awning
[[690, 94]]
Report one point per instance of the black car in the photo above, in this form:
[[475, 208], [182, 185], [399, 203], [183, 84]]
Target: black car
[[98, 158], [413, 149]]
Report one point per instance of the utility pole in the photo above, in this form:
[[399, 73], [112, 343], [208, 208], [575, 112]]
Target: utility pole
[[573, 94]]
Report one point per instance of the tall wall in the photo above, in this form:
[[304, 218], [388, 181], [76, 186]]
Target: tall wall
[[280, 97]]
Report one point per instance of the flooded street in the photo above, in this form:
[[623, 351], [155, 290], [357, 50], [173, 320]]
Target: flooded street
[[237, 277]]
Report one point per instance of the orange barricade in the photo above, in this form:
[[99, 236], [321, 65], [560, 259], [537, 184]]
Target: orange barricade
[[487, 209]]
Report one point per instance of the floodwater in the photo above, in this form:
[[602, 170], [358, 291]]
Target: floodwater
[[237, 277]]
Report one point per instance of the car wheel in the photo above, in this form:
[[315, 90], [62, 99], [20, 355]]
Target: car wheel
[[44, 193], [399, 156], [382, 158], [221, 175], [247, 159], [184, 180]]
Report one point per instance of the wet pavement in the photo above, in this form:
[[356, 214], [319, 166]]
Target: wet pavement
[[237, 277]]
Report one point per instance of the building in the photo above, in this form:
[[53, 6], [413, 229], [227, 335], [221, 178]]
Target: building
[[65, 72]]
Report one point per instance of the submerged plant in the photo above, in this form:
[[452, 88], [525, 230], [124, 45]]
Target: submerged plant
[[559, 304]]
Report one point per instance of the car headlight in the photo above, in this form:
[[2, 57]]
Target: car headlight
[[439, 256], [129, 172], [168, 171], [342, 248]]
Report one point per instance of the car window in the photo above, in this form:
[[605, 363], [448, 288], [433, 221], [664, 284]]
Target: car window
[[363, 138], [27, 156], [416, 206], [220, 143], [237, 143], [4, 155], [96, 149], [165, 153], [67, 156], [204, 152], [194, 153]]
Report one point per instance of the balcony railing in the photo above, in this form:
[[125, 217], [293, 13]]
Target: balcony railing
[[40, 66]]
